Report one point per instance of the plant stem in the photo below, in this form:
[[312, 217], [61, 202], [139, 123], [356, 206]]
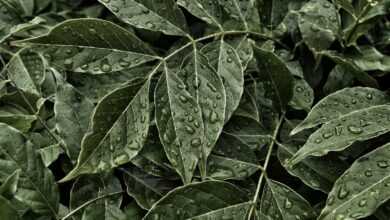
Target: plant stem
[[266, 162], [74, 211]]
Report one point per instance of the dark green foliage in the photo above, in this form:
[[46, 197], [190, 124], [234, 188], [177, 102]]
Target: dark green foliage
[[194, 109]]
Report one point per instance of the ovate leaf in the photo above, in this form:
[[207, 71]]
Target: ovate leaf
[[277, 75], [37, 187], [91, 45], [280, 202], [72, 112], [199, 199], [226, 61], [164, 16], [190, 113], [26, 70], [319, 24], [342, 132], [362, 188], [119, 127], [340, 103]]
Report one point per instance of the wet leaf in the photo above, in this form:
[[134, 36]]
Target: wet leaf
[[189, 202], [108, 143], [362, 188], [341, 103], [342, 132], [280, 202], [37, 188], [91, 45], [164, 16]]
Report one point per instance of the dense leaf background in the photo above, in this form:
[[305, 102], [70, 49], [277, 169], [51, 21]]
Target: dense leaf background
[[194, 109]]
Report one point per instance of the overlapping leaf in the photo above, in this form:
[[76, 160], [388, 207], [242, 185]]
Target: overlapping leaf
[[91, 45], [111, 139], [341, 103], [342, 132], [200, 201], [162, 15], [362, 188], [37, 187]]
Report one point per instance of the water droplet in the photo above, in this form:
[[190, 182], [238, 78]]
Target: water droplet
[[229, 60], [299, 89], [105, 67], [287, 204], [149, 24], [314, 28], [326, 5], [318, 140], [368, 173], [369, 96], [190, 118], [103, 166], [166, 138], [196, 142], [183, 99], [383, 164], [213, 117], [363, 203], [181, 86], [343, 193], [327, 135], [189, 129], [145, 11], [355, 130], [84, 67], [219, 96], [121, 159], [93, 31]]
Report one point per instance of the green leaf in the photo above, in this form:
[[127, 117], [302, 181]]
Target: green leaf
[[342, 132], [303, 96], [361, 17], [50, 154], [280, 202], [319, 24], [277, 75], [7, 211], [91, 45], [9, 17], [72, 113], [10, 185], [226, 61], [144, 188], [197, 95], [231, 159], [109, 142], [26, 70], [37, 187], [362, 188], [199, 200], [164, 16], [90, 187], [317, 173], [341, 103]]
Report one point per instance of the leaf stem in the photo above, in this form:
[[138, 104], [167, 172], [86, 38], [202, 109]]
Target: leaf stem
[[266, 162], [74, 211]]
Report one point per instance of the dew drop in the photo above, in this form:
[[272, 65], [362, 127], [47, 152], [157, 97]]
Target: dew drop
[[105, 67], [183, 99], [383, 164], [355, 130], [299, 89], [189, 129], [368, 173], [121, 159], [196, 142], [318, 140], [327, 135], [68, 63], [229, 60], [330, 201], [363, 203], [287, 204], [213, 117], [369, 96], [343, 193]]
